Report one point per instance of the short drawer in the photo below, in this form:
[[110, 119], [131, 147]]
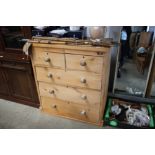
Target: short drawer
[[83, 79], [68, 109], [48, 59], [76, 95], [84, 63], [51, 75], [70, 78]]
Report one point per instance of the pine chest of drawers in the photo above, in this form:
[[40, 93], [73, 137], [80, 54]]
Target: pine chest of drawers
[[72, 80]]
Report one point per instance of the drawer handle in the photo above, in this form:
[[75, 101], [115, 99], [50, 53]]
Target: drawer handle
[[83, 63], [84, 97], [54, 106], [47, 59], [83, 112], [83, 80], [50, 75], [51, 91]]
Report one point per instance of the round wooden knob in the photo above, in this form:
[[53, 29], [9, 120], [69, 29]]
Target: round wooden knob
[[83, 63], [54, 106], [84, 97], [83, 112], [49, 75], [83, 80], [47, 59], [51, 91]]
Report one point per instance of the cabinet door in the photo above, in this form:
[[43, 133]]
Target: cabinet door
[[20, 81], [3, 83]]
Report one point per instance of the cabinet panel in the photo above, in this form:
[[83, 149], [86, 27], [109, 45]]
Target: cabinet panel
[[3, 83], [20, 82]]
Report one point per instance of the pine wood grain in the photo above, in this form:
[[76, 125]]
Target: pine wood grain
[[75, 85], [56, 60], [71, 78], [68, 109], [93, 64], [71, 94]]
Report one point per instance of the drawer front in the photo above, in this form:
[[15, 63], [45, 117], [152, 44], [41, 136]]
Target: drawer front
[[55, 60], [68, 109], [70, 78], [84, 79], [84, 63], [51, 75], [76, 95]]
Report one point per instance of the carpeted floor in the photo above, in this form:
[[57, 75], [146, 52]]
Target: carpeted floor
[[18, 116]]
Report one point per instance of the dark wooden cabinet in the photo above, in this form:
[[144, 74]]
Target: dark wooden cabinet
[[16, 76], [4, 90]]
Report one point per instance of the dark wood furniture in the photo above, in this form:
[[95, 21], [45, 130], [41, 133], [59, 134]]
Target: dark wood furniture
[[145, 41], [16, 75]]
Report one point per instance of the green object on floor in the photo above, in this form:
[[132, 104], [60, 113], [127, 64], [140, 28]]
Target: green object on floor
[[109, 102], [115, 123], [151, 116], [107, 114]]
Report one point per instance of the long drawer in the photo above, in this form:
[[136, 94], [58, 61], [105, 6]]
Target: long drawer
[[84, 63], [70, 78], [56, 60], [68, 109], [76, 95]]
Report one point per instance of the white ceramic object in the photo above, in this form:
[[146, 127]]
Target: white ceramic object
[[40, 27], [74, 28], [61, 32], [115, 109]]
